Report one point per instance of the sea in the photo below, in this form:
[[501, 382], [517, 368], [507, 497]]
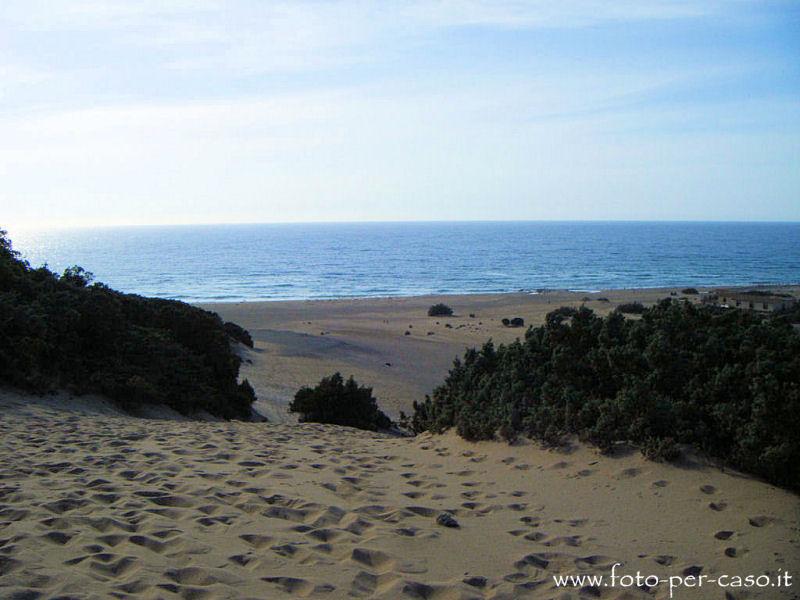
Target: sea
[[233, 263]]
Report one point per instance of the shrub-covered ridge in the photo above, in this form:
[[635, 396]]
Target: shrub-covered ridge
[[727, 382], [64, 332]]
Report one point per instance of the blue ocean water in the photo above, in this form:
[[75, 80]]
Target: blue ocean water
[[212, 263]]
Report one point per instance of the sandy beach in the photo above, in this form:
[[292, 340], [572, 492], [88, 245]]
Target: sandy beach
[[298, 343], [97, 504]]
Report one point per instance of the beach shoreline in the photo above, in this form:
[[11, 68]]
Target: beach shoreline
[[389, 343], [703, 288]]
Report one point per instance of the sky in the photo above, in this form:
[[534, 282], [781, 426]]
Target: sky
[[211, 111]]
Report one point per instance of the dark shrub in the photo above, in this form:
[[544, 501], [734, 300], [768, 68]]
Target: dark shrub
[[633, 308], [767, 293], [725, 382], [440, 310], [790, 314], [689, 291], [515, 322], [238, 333], [339, 402], [65, 332]]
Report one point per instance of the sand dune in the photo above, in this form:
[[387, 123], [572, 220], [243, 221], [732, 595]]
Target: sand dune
[[98, 504]]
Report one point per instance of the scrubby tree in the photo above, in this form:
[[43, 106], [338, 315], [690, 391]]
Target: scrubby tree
[[633, 308], [339, 402], [440, 310]]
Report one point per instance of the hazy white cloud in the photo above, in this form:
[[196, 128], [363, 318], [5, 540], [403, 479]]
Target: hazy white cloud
[[203, 110], [255, 36], [76, 15], [365, 153], [546, 13]]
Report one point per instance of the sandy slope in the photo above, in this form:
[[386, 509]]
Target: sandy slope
[[95, 504]]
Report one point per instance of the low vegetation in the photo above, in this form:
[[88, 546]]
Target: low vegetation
[[725, 382], [514, 322], [790, 314], [440, 310], [689, 291], [336, 401], [631, 308], [767, 293], [63, 331]]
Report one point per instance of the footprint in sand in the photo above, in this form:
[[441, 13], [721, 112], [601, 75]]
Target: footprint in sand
[[629, 473], [414, 495], [372, 558], [105, 565], [538, 561], [761, 521], [571, 540], [257, 541], [57, 537], [368, 584], [692, 571], [594, 562], [193, 576], [242, 559], [296, 586]]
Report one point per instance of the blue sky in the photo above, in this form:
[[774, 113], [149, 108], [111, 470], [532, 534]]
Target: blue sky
[[198, 111]]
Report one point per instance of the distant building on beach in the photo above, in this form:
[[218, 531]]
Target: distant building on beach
[[758, 300]]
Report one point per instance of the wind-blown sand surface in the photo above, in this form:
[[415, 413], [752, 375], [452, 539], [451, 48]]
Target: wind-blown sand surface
[[98, 504]]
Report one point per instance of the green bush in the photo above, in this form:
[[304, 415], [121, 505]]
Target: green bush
[[66, 332], [440, 310], [633, 308], [725, 382], [689, 291], [514, 322], [339, 402]]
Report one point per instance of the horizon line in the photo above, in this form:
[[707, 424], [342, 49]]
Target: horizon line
[[71, 226]]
